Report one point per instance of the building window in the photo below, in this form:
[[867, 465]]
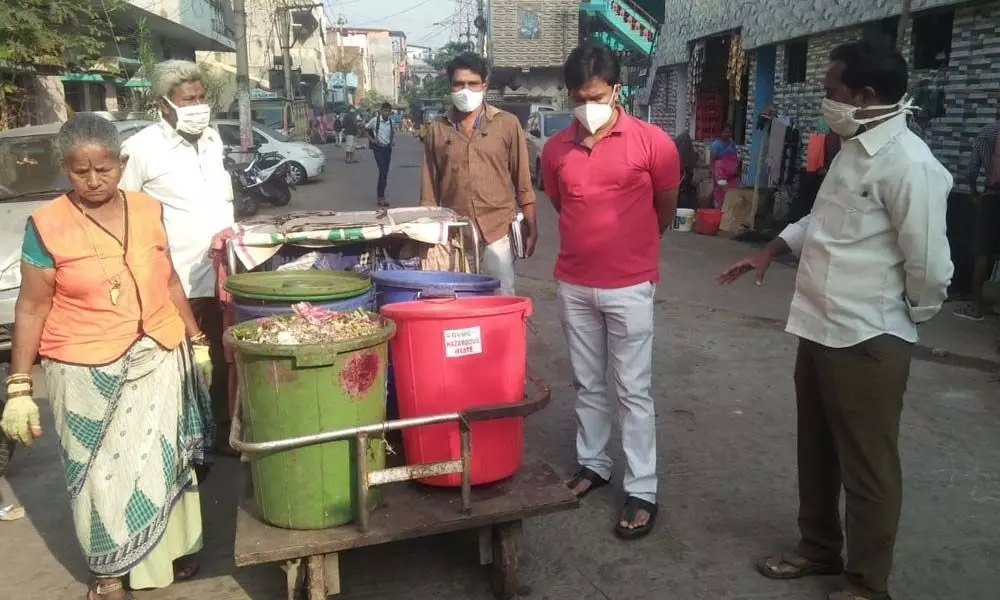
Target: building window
[[882, 32], [932, 39], [528, 27], [796, 58]]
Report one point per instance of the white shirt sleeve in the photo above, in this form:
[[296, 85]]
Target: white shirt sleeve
[[917, 207], [134, 175], [794, 234], [371, 124]]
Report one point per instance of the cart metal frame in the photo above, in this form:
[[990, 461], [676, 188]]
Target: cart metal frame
[[495, 511]]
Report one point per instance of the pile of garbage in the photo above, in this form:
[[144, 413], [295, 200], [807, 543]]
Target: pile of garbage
[[310, 324]]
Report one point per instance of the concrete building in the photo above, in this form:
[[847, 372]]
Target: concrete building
[[369, 54], [528, 41], [419, 69], [953, 48], [264, 43], [169, 29]]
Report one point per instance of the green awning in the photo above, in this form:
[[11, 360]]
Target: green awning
[[137, 82], [95, 77]]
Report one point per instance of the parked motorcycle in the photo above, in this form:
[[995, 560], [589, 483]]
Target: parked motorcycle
[[263, 179], [274, 188], [245, 176]]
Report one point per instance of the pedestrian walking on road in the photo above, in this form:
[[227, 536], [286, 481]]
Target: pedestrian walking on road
[[130, 402], [874, 263], [179, 162], [338, 129], [350, 132], [612, 214], [476, 162], [381, 134]]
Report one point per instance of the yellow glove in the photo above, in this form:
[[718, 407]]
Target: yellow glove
[[203, 361], [21, 421]]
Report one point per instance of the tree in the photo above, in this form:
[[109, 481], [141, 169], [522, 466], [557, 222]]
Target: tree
[[372, 101], [57, 33], [440, 87]]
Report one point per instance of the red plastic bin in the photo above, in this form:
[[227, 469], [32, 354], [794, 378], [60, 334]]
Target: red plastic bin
[[707, 221], [453, 354]]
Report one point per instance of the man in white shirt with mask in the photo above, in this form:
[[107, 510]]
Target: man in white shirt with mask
[[874, 263], [179, 162]]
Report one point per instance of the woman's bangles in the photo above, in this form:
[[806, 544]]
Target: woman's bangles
[[18, 385], [199, 339]]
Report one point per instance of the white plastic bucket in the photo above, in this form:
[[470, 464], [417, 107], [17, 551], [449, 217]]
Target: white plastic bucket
[[684, 219]]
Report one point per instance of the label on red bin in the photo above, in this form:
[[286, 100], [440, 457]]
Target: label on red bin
[[463, 342]]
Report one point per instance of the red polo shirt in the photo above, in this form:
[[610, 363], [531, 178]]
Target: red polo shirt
[[609, 236]]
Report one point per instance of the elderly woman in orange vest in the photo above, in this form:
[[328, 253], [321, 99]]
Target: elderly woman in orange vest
[[124, 366]]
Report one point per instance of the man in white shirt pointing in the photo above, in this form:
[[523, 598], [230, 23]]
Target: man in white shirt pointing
[[874, 263], [179, 162]]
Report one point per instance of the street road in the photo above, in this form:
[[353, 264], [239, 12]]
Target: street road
[[726, 418]]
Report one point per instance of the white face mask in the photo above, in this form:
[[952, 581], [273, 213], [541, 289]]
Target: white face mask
[[841, 120], [466, 100], [594, 115], [191, 120]]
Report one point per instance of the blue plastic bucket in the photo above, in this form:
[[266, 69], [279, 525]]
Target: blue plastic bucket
[[404, 286]]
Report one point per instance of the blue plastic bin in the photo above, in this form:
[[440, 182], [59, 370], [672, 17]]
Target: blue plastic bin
[[405, 286]]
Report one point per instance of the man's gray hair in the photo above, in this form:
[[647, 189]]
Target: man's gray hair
[[171, 73], [84, 129]]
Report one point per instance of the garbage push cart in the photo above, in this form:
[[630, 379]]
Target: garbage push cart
[[310, 558]]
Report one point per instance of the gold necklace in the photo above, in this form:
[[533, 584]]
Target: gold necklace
[[115, 283]]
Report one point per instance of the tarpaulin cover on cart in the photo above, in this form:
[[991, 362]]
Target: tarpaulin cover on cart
[[258, 239]]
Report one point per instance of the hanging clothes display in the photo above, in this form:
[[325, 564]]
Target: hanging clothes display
[[815, 152]]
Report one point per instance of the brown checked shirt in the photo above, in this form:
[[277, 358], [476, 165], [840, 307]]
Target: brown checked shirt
[[479, 175]]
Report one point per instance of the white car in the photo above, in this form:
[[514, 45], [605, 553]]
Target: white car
[[30, 175], [306, 161], [541, 126]]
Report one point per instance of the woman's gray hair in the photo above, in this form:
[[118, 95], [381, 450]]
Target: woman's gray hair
[[85, 129], [171, 73]]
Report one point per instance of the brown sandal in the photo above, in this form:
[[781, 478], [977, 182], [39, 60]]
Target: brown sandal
[[793, 566], [99, 590]]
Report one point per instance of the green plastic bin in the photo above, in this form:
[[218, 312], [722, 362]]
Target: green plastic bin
[[291, 391]]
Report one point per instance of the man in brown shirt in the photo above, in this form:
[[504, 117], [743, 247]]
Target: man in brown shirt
[[476, 162]]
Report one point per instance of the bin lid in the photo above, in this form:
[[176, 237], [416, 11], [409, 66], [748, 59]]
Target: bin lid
[[298, 286]]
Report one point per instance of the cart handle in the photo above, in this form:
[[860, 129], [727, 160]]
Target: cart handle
[[368, 479]]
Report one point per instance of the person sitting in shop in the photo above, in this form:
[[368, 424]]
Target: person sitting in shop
[[724, 165]]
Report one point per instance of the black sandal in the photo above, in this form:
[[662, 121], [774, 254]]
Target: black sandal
[[588, 475], [632, 507], [794, 566]]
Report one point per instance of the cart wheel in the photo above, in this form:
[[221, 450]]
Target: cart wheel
[[504, 571]]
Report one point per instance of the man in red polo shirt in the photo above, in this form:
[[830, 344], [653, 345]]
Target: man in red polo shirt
[[613, 180]]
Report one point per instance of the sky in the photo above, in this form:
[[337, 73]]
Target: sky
[[425, 22]]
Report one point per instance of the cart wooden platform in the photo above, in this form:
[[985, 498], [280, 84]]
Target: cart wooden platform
[[407, 509]]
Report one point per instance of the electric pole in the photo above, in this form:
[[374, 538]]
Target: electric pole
[[242, 75], [285, 23], [904, 21]]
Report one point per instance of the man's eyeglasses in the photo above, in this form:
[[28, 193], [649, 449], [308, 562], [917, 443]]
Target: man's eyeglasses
[[461, 85]]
